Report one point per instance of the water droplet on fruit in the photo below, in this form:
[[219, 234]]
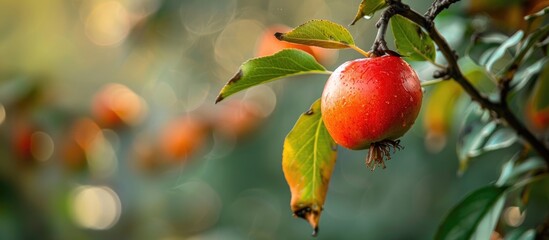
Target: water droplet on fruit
[[387, 102], [411, 99], [395, 96], [404, 125]]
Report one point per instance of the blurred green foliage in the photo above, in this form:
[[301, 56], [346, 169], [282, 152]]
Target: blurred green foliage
[[68, 171]]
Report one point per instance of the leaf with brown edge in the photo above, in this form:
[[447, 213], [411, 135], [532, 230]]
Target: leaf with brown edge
[[308, 160], [367, 8], [286, 63], [319, 33]]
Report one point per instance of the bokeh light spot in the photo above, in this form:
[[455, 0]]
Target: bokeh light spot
[[264, 97], [108, 23], [201, 17], [2, 114], [96, 208], [102, 157], [513, 216]]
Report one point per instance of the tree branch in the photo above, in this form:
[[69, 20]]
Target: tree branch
[[437, 7], [499, 109]]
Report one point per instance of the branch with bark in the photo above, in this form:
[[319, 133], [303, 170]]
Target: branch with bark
[[499, 109]]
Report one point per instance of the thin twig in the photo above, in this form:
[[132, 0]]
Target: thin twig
[[437, 7]]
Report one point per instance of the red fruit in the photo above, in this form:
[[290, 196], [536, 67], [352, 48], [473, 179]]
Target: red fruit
[[371, 102]]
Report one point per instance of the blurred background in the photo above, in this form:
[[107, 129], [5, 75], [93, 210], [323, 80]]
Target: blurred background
[[108, 127]]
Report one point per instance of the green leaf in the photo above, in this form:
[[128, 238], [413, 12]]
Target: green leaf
[[501, 138], [524, 76], [367, 8], [495, 63], [320, 33], [521, 234], [478, 137], [479, 77], [482, 44], [475, 216], [513, 171], [538, 14], [286, 63], [308, 160], [411, 41], [528, 43], [474, 131]]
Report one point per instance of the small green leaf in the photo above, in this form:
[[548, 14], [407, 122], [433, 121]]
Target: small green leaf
[[479, 140], [474, 131], [477, 75], [513, 171], [367, 8], [501, 138], [525, 75], [308, 160], [482, 44], [538, 14], [320, 33], [530, 41], [495, 63], [286, 63], [411, 41], [475, 216]]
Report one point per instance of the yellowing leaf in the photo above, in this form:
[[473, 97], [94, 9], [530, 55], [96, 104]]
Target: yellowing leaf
[[286, 63], [439, 112], [308, 160], [320, 33]]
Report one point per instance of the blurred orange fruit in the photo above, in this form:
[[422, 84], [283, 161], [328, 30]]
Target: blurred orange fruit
[[116, 104], [145, 156], [21, 138], [538, 118], [79, 141], [182, 137], [236, 118]]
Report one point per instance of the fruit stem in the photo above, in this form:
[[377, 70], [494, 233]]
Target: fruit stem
[[431, 82], [356, 48], [379, 151], [438, 65]]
